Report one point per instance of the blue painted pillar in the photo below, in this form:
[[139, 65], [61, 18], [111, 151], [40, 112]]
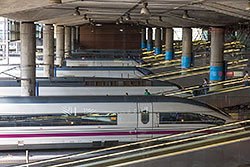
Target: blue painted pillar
[[169, 51], [37, 88], [54, 71], [217, 54], [158, 47], [150, 40], [186, 59], [143, 38]]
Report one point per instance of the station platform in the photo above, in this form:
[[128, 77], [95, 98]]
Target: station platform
[[221, 94]]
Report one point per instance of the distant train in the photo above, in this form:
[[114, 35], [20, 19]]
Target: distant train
[[102, 62], [96, 121], [71, 86], [108, 72]]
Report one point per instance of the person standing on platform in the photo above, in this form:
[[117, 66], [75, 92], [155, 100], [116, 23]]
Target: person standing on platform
[[205, 85], [245, 78], [146, 92]]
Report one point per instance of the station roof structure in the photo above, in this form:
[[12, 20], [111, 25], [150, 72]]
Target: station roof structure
[[163, 13]]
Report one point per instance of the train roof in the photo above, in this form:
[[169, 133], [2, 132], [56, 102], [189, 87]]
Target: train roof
[[83, 81], [103, 99]]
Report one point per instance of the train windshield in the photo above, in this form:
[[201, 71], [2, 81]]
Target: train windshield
[[59, 119], [189, 118]]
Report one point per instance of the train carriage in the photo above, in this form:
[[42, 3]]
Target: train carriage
[[94, 121]]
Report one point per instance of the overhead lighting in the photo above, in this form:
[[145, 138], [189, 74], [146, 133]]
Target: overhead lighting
[[117, 22], [160, 19], [85, 17], [248, 5], [76, 12], [128, 17], [121, 30], [98, 25], [185, 15], [55, 1], [91, 22], [121, 20], [145, 10]]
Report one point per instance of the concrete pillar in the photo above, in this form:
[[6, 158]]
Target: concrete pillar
[[77, 37], [48, 50], [60, 45], [169, 51], [28, 59], [217, 54], [158, 46], [150, 40], [73, 38], [186, 47], [143, 38], [67, 46]]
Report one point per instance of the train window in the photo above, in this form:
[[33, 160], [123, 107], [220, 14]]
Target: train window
[[144, 117], [188, 118], [59, 120], [213, 120]]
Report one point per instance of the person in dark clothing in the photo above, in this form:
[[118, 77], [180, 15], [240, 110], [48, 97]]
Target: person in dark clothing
[[245, 78], [146, 92], [205, 85]]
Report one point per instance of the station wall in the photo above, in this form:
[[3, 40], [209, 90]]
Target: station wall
[[110, 36]]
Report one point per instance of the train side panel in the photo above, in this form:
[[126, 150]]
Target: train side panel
[[123, 131]]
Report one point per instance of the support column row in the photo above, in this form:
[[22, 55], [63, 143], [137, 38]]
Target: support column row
[[28, 50], [217, 48]]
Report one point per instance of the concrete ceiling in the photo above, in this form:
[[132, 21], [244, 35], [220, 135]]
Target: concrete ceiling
[[201, 12]]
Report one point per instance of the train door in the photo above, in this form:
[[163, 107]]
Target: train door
[[144, 120]]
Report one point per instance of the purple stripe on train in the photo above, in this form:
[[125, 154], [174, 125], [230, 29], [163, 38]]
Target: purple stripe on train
[[92, 134]]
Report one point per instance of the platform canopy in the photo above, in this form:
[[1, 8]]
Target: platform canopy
[[164, 13]]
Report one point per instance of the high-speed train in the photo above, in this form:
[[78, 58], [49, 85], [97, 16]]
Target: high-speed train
[[108, 72], [71, 86], [102, 62], [96, 121]]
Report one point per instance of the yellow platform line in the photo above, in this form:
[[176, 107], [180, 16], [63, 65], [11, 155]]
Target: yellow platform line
[[188, 70]]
